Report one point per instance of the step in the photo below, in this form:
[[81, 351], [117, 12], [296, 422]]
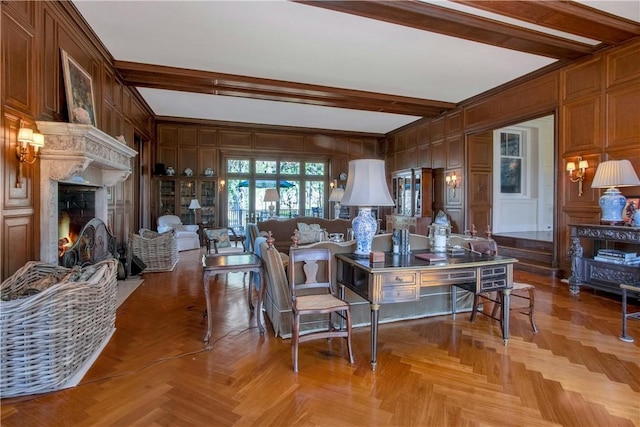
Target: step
[[542, 270], [536, 257]]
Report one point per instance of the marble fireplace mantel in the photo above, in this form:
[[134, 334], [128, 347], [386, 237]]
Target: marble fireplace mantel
[[76, 154]]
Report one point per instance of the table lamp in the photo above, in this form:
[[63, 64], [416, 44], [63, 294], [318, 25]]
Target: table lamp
[[609, 175], [271, 195], [336, 196], [366, 187], [195, 204]]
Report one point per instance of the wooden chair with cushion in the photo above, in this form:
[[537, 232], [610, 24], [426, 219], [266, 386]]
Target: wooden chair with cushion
[[221, 240], [520, 290], [312, 295]]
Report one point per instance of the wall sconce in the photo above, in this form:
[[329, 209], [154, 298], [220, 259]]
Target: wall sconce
[[580, 172], [452, 182], [221, 184], [27, 137]]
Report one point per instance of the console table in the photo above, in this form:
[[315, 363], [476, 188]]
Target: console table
[[597, 274], [399, 279]]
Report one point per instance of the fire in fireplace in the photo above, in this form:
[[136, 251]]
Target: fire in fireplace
[[76, 207]]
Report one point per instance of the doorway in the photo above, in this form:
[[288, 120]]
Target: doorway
[[523, 179]]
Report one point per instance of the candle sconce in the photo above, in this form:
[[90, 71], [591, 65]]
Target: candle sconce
[[452, 182], [580, 174]]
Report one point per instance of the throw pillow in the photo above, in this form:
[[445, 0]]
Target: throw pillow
[[309, 236], [177, 227], [221, 235], [308, 227]]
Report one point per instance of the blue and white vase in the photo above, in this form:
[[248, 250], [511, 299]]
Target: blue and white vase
[[364, 228]]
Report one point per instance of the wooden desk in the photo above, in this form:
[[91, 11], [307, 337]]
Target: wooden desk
[[399, 279], [232, 263]]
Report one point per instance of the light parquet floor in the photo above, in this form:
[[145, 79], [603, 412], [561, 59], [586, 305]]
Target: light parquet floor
[[439, 371]]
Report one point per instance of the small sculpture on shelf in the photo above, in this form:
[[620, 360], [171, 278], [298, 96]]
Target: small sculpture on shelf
[[170, 171]]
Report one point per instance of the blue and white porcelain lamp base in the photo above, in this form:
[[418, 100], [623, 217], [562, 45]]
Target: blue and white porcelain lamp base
[[364, 228], [612, 204]]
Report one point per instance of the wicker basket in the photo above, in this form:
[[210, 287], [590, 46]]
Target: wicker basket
[[46, 338], [158, 251]]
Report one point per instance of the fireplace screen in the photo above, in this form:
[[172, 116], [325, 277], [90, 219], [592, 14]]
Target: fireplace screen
[[94, 243]]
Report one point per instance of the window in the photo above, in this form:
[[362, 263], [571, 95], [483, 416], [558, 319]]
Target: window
[[511, 162], [301, 184]]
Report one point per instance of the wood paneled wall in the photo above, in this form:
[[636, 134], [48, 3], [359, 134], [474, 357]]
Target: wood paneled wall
[[32, 88], [203, 144], [596, 102]]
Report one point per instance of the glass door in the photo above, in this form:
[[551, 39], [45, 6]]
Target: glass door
[[187, 193], [208, 202]]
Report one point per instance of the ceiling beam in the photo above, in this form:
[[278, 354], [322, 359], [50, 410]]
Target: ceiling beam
[[212, 83], [429, 17], [567, 16]]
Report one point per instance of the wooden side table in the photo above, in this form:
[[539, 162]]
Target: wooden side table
[[232, 263]]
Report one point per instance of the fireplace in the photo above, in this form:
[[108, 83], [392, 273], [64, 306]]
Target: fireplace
[[78, 158]]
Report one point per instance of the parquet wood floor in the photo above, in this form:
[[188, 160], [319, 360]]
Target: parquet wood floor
[[439, 371]]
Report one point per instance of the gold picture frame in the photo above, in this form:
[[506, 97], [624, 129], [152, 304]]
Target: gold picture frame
[[79, 91], [627, 213]]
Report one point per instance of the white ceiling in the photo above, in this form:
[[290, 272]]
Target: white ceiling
[[300, 43]]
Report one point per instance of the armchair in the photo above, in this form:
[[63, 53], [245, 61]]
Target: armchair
[[219, 239], [186, 235], [159, 252]]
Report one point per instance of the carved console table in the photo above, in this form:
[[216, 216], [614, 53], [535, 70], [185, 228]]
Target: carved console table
[[597, 274]]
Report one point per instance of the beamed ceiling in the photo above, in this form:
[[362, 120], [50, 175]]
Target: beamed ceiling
[[363, 66]]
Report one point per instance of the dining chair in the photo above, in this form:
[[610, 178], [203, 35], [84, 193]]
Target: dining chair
[[520, 290], [313, 294]]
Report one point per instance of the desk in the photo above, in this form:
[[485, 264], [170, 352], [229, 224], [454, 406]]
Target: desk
[[399, 279], [231, 263]]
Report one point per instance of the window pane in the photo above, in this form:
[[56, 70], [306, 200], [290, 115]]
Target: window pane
[[290, 200], [510, 175], [290, 168], [237, 202], [265, 166], [237, 166], [263, 208], [314, 168], [314, 198]]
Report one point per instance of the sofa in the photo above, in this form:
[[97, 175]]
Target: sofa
[[282, 229], [434, 301], [186, 235]]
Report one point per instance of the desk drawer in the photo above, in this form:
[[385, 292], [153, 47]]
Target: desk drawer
[[452, 277], [491, 284], [398, 279], [400, 293], [498, 270]]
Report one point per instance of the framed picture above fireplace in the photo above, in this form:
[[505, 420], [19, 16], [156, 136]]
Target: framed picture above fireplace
[[79, 91]]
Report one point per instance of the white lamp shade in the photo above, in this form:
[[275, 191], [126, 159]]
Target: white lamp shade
[[615, 173], [195, 204], [271, 195], [25, 135], [336, 195], [367, 184], [38, 140]]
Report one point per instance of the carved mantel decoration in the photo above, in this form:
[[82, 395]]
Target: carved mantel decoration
[[77, 154]]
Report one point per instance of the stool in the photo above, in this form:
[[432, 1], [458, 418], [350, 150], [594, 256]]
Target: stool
[[625, 288]]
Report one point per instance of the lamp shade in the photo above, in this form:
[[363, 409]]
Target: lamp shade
[[271, 195], [336, 195], [195, 204], [615, 173], [25, 135], [367, 184], [38, 140]]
